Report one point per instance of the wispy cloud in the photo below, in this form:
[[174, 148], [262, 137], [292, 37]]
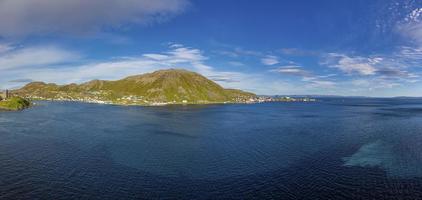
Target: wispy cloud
[[22, 17], [411, 26], [411, 55], [322, 84], [350, 65], [312, 80], [224, 78], [270, 60], [377, 72], [35, 57], [398, 73], [394, 66], [292, 70], [297, 52]]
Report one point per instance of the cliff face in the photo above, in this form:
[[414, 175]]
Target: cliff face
[[171, 85]]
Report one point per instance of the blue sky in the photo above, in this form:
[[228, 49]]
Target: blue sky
[[331, 47]]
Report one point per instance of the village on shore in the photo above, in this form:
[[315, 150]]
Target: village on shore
[[140, 100]]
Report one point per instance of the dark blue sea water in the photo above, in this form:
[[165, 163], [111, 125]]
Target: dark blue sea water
[[331, 149]]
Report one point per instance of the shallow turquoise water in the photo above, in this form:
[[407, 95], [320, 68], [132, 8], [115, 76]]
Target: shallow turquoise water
[[335, 148]]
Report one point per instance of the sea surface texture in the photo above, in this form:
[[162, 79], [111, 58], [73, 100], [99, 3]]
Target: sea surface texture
[[336, 148]]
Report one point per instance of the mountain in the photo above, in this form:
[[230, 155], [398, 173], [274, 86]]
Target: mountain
[[163, 86]]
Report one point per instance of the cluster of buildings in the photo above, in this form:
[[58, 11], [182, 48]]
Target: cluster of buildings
[[262, 99], [4, 95], [69, 98]]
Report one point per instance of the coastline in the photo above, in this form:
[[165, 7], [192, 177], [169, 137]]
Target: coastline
[[158, 104], [140, 104]]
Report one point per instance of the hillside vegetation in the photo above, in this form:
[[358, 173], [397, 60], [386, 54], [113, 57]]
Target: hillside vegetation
[[163, 86], [14, 103]]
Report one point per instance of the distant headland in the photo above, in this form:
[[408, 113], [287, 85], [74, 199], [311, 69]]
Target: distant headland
[[12, 103], [171, 86]]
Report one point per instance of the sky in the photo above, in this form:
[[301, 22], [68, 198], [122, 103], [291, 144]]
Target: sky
[[269, 47]]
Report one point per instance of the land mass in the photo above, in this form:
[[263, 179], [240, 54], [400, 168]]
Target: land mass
[[14, 104], [172, 86]]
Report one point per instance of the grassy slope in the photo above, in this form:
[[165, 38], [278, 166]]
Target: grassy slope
[[14, 103], [160, 86]]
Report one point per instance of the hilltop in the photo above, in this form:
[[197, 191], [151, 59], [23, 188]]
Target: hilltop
[[172, 86]]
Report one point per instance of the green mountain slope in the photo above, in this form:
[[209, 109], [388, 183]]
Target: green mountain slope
[[163, 86]]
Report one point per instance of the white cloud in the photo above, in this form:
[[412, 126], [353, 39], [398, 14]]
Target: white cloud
[[414, 16], [311, 80], [175, 45], [410, 54], [298, 52], [184, 54], [292, 70], [270, 60], [22, 17], [157, 57], [350, 65], [411, 26], [35, 57], [397, 66]]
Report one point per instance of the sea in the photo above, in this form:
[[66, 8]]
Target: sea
[[335, 148]]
